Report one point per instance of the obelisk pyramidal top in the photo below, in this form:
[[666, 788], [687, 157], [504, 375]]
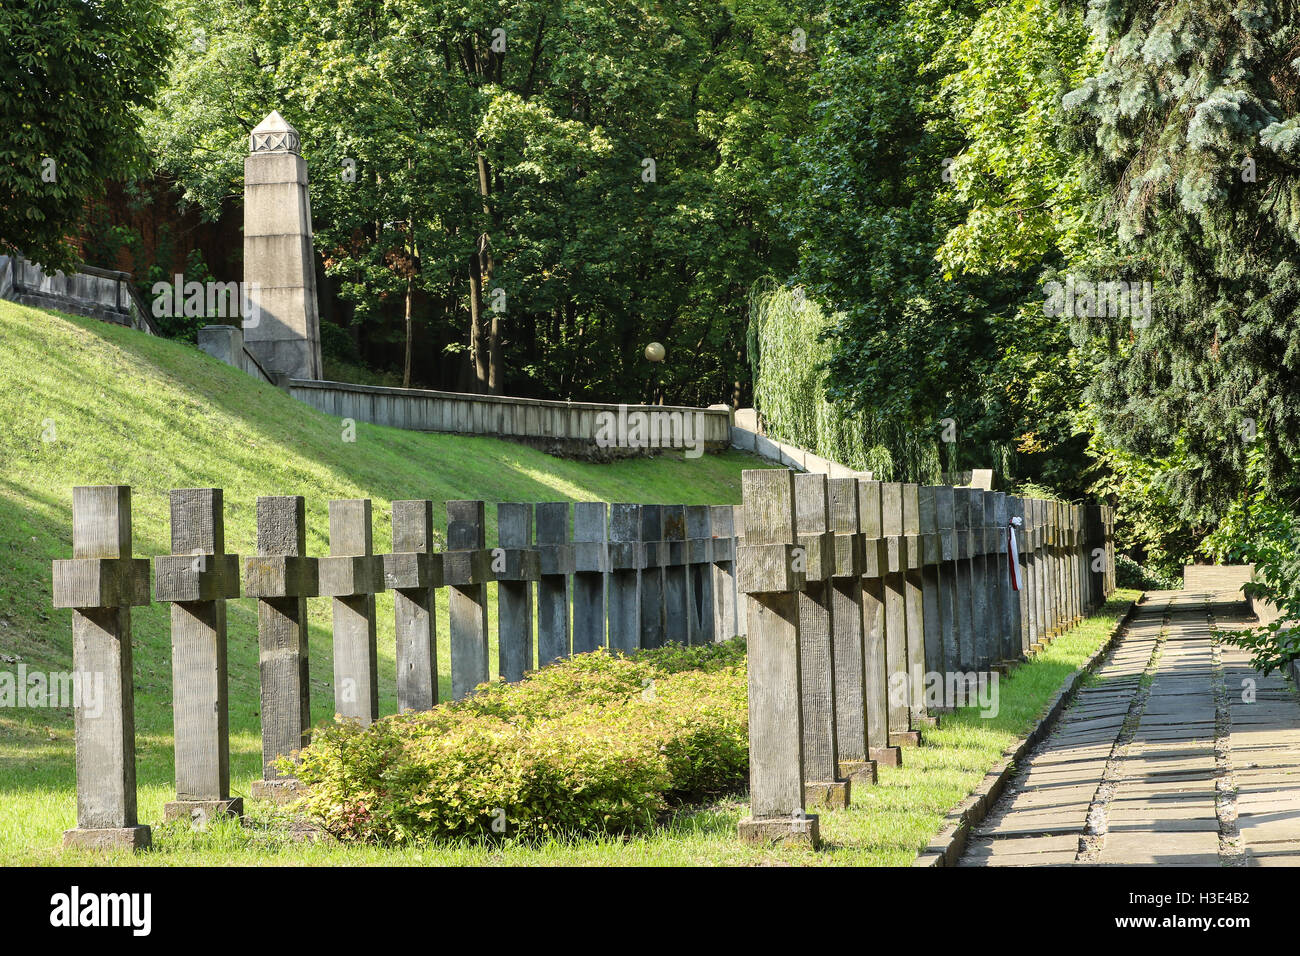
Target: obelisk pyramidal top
[[283, 329]]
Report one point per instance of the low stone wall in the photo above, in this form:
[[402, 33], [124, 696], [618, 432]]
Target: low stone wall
[[226, 342], [572, 429], [95, 293], [747, 436]]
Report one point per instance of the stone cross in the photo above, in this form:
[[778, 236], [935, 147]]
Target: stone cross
[[676, 585], [980, 621], [897, 638], [283, 331], [626, 559], [413, 572], [282, 577], [196, 579], [652, 576], [351, 575], [944, 506], [101, 583], [723, 554], [848, 645], [699, 565], [590, 570], [556, 555], [515, 565], [995, 575], [466, 570], [914, 607], [822, 783], [1016, 510], [769, 577], [875, 567]]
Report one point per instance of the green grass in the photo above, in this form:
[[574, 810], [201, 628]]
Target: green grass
[[157, 415], [124, 408]]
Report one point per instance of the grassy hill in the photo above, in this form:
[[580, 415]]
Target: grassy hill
[[85, 402]]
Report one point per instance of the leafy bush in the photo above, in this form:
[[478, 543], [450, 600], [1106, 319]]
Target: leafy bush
[[596, 743], [1130, 574]]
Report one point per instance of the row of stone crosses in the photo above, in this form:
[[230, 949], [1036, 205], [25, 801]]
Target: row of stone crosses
[[864, 596], [627, 576]]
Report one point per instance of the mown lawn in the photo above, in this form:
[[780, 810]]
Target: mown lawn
[[85, 402]]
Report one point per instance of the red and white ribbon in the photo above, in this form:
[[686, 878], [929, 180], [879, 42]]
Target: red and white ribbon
[[1013, 554]]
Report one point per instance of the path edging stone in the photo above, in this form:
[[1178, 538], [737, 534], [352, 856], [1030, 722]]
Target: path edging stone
[[947, 846]]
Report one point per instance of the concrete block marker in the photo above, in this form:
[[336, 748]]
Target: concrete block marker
[[626, 559], [914, 608], [101, 583], [898, 684], [767, 576], [1000, 579], [590, 570], [1016, 513], [980, 624], [675, 582], [556, 556], [946, 574], [931, 558], [1042, 571], [466, 569], [848, 645], [964, 578], [822, 783], [699, 574], [351, 575], [875, 654], [196, 579], [1027, 512], [722, 552], [515, 566], [652, 576], [414, 573], [282, 577]]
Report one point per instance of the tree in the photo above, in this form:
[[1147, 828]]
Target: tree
[[74, 75], [547, 186], [1188, 136]]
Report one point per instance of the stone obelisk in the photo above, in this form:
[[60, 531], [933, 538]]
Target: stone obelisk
[[282, 329]]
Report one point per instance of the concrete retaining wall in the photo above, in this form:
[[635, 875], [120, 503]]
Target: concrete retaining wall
[[580, 429], [95, 293], [747, 436]]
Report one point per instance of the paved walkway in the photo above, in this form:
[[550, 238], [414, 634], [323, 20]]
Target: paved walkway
[[1177, 753]]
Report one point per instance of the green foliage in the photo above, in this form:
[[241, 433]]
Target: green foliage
[[1262, 530], [788, 350], [1182, 141], [1130, 574], [924, 215], [74, 74], [593, 744], [525, 164]]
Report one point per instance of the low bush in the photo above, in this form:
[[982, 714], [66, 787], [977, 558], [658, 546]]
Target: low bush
[[596, 743], [1130, 574]]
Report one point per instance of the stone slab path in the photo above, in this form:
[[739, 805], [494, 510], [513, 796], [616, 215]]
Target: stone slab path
[[1176, 753]]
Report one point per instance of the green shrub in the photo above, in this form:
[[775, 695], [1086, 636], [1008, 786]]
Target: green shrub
[[596, 743], [1130, 574]]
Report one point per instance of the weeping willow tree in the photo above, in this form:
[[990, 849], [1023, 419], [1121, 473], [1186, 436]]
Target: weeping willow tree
[[789, 345]]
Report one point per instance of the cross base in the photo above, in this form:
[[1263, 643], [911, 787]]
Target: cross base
[[108, 838]]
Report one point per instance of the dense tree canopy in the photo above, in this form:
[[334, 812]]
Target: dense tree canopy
[[74, 74], [558, 183]]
